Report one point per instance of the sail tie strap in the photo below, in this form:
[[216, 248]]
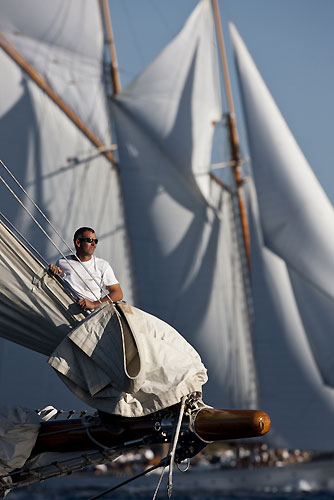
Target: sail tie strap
[[47, 413]]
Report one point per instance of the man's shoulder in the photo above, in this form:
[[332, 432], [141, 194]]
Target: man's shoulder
[[63, 260], [101, 262]]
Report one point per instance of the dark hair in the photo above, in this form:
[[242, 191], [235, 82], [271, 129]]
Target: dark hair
[[79, 233]]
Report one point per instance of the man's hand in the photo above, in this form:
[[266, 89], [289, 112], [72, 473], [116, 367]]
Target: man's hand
[[55, 270], [88, 304]]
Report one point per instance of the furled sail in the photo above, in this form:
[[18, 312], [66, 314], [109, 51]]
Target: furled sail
[[124, 361], [34, 309], [292, 273], [121, 361], [181, 223]]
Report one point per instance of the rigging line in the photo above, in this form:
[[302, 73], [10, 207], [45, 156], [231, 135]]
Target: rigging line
[[163, 462], [159, 482], [173, 447], [58, 234], [48, 237], [35, 205], [24, 239]]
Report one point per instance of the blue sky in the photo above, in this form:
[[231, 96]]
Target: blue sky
[[291, 41]]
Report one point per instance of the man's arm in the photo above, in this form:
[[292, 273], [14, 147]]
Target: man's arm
[[115, 294]]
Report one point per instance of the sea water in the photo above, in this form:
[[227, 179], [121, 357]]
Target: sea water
[[84, 488], [38, 493]]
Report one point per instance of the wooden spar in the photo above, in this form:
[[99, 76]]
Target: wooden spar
[[9, 48], [234, 139], [116, 81], [216, 425], [220, 182], [209, 425]]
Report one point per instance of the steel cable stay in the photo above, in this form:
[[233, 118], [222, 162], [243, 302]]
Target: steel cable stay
[[27, 242], [163, 463], [44, 232]]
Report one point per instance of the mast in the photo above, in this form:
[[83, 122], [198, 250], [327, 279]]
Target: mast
[[233, 135], [115, 78]]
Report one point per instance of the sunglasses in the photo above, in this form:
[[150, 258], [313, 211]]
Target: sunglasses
[[89, 240]]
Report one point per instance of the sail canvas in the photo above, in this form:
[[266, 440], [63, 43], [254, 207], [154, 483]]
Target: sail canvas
[[167, 226], [185, 193], [292, 271], [181, 223], [68, 177]]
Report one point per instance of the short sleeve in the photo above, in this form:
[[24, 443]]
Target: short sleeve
[[109, 277]]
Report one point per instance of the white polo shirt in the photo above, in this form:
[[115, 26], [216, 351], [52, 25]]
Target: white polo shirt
[[96, 275]]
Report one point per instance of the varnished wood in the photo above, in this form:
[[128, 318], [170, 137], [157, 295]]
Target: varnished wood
[[233, 133], [112, 49], [216, 425], [9, 48]]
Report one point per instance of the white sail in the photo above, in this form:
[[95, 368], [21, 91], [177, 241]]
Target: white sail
[[181, 224], [72, 182], [292, 273], [127, 362], [181, 227], [34, 309]]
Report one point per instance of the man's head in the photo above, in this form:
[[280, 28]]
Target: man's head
[[85, 242]]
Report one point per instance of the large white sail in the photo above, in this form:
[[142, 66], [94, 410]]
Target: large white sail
[[72, 182], [181, 224], [292, 273]]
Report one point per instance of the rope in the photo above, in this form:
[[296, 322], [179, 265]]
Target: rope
[[24, 239], [85, 421], [44, 232], [35, 205], [159, 483], [162, 462], [173, 447]]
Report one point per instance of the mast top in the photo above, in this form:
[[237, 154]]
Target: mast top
[[116, 81]]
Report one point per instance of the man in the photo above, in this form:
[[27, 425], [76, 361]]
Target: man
[[88, 277]]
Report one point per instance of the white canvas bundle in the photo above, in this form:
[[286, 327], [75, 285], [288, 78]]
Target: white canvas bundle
[[19, 428], [127, 362]]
